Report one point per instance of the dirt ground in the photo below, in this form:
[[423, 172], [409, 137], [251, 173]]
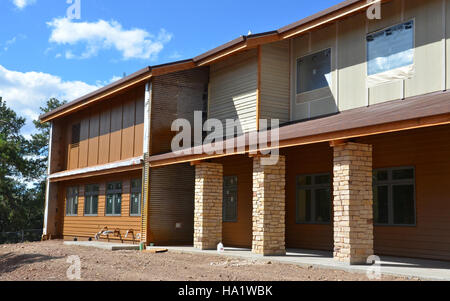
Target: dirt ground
[[48, 261]]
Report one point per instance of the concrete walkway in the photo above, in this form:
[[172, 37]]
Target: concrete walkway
[[406, 267], [102, 245]]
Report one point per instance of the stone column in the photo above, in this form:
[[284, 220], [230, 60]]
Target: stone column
[[353, 199], [269, 208], [208, 206]]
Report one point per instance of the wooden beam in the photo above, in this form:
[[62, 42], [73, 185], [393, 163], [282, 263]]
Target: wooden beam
[[334, 143]]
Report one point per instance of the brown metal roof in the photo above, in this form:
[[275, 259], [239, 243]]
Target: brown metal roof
[[415, 112], [241, 39]]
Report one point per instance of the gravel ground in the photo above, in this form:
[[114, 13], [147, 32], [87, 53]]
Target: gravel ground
[[48, 261]]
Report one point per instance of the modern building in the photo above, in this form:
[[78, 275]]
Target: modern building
[[364, 142]]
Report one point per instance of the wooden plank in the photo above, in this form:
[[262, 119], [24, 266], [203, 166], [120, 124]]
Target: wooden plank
[[105, 133], [128, 130], [94, 133], [115, 147], [84, 143]]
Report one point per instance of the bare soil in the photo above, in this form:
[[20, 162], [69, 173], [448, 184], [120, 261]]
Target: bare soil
[[45, 261]]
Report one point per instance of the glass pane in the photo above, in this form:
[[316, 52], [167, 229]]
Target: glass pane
[[403, 198], [118, 186], [118, 204], [136, 184], [95, 188], [94, 204], [381, 175], [109, 204], [87, 204], [323, 206], [110, 186], [304, 206], [314, 71], [135, 203], [403, 174], [380, 205], [323, 179], [390, 49], [87, 189], [304, 180]]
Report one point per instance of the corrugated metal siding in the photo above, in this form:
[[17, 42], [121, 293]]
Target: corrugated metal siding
[[233, 90], [172, 202]]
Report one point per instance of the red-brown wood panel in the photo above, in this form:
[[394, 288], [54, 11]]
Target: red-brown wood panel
[[104, 139], [139, 127], [94, 131], [128, 129], [84, 143], [115, 148]]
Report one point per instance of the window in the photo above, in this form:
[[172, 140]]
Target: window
[[314, 71], [76, 128], [230, 191], [91, 200], [391, 48], [136, 192], [114, 199], [314, 199], [72, 201], [394, 197]]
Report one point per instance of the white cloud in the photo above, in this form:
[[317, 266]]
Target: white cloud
[[21, 4], [102, 35], [26, 92]]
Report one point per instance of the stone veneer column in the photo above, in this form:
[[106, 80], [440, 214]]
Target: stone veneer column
[[269, 207], [208, 206], [353, 199]]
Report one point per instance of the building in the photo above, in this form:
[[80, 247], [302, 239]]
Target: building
[[364, 142]]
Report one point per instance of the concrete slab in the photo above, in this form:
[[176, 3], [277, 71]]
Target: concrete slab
[[405, 267], [102, 245]]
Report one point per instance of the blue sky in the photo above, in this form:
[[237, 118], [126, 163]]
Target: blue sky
[[43, 54]]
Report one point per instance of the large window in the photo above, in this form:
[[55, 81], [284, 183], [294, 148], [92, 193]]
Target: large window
[[394, 197], [314, 71], [91, 200], [72, 201], [391, 48], [230, 192], [135, 202], [314, 199], [114, 199]]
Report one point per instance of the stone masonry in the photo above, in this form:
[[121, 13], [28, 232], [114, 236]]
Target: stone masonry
[[208, 206], [353, 199], [269, 208]]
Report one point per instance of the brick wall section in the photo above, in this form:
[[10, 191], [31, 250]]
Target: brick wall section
[[269, 207], [208, 205], [353, 199]]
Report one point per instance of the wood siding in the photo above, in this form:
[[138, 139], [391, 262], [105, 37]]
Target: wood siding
[[84, 227], [233, 90], [108, 132], [312, 159], [239, 233]]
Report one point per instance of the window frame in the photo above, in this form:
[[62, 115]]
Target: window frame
[[235, 219], [134, 191], [330, 86], [91, 194], [68, 195], [390, 183], [73, 143], [313, 188], [114, 193], [384, 29]]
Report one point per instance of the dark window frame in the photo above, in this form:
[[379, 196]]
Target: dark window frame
[[134, 191], [71, 209], [313, 187], [235, 189], [390, 183], [90, 194], [115, 192]]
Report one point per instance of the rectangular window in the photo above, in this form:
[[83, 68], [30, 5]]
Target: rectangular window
[[394, 197], [314, 71], [76, 131], [314, 199], [91, 200], [114, 199], [230, 192], [135, 202], [72, 201], [391, 48]]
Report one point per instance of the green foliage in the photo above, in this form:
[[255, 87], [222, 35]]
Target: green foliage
[[22, 162]]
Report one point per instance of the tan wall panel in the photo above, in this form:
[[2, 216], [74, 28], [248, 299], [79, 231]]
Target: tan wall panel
[[115, 148], [84, 143], [128, 129], [139, 127], [94, 131], [105, 137]]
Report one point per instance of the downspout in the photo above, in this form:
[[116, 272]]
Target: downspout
[[47, 186]]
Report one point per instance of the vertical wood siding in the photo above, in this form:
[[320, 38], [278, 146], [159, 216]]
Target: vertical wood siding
[[233, 90]]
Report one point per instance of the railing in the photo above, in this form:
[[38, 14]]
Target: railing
[[20, 236]]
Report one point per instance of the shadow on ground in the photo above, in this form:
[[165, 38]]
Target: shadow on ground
[[10, 261]]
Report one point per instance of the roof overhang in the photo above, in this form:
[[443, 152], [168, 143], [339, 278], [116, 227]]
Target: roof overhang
[[393, 116], [332, 14]]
